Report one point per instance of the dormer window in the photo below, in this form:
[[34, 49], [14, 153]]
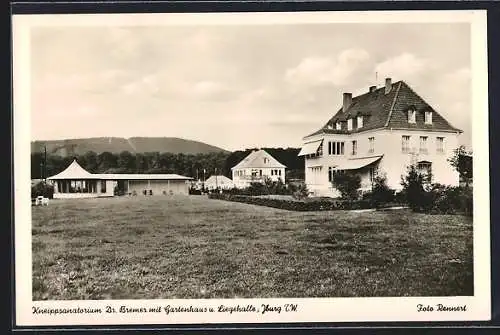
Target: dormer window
[[360, 121], [412, 116], [349, 124], [428, 117], [338, 126]]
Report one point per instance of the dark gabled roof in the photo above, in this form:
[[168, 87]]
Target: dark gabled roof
[[380, 110]]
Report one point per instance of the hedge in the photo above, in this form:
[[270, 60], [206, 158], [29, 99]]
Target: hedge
[[294, 205]]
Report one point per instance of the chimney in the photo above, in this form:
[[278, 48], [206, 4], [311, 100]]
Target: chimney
[[373, 88], [388, 85], [347, 101]]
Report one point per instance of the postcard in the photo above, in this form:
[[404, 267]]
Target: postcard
[[214, 168]]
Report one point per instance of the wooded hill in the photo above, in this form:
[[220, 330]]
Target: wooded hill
[[116, 145]]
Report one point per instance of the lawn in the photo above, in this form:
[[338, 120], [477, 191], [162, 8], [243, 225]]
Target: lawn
[[194, 247]]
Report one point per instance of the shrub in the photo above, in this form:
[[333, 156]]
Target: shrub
[[300, 192], [380, 194], [42, 189], [294, 205], [414, 189], [451, 200], [347, 184]]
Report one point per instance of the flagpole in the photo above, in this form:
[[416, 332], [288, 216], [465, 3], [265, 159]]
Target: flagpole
[[45, 164]]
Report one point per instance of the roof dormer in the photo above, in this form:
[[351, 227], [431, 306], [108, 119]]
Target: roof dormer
[[428, 117], [360, 121], [349, 124], [412, 115]]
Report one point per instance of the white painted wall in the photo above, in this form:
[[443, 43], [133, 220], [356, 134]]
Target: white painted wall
[[393, 164], [158, 186], [245, 180]]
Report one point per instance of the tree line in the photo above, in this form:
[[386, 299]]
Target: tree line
[[191, 165]]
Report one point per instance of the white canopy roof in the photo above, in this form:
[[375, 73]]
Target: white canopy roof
[[74, 171], [310, 148], [357, 163]]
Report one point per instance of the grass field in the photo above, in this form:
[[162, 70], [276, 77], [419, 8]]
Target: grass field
[[194, 247]]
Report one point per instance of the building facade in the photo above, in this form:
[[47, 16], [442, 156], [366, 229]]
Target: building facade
[[219, 182], [76, 182], [383, 131], [258, 166]]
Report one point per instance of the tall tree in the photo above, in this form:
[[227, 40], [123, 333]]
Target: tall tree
[[461, 161]]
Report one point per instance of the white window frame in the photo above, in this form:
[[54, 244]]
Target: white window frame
[[360, 121], [338, 126], [349, 124], [428, 117], [354, 144], [440, 145], [371, 145], [405, 143], [423, 144], [412, 116]]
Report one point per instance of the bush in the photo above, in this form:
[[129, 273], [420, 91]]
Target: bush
[[194, 191], [42, 189], [300, 192], [294, 205], [452, 200], [380, 194], [347, 184], [435, 198], [414, 189]]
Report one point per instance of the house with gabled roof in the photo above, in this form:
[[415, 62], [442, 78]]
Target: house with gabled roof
[[221, 182], [384, 130], [257, 167]]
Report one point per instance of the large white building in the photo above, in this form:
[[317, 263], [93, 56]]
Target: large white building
[[76, 182], [256, 167], [381, 131]]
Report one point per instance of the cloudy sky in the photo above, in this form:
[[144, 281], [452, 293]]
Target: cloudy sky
[[235, 86]]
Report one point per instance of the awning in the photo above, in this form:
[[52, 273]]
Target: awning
[[310, 148], [357, 163]]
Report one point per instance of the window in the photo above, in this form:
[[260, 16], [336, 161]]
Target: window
[[371, 142], [440, 144], [279, 172], [428, 117], [405, 144], [331, 172], [411, 116], [423, 144], [425, 168], [373, 174], [266, 160], [338, 125], [335, 148], [354, 148], [349, 124], [260, 173], [103, 186], [272, 172], [360, 121]]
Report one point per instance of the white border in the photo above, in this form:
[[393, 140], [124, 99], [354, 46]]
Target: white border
[[310, 310]]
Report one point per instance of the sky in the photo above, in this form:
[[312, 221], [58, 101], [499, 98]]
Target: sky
[[236, 87]]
